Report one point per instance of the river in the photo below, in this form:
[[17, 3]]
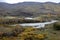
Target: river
[[37, 25]]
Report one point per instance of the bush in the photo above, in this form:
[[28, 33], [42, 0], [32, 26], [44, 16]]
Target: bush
[[29, 34], [57, 26], [32, 36]]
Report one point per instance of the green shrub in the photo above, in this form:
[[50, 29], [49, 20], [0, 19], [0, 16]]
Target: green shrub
[[57, 26]]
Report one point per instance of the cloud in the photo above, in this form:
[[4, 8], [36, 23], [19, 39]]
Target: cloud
[[49, 1], [16, 1], [2, 0]]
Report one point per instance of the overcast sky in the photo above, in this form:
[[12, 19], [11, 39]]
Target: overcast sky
[[16, 1]]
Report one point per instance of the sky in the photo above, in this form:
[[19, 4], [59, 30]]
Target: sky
[[16, 1]]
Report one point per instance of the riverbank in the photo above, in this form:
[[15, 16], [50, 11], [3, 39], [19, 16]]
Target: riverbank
[[36, 25], [18, 33]]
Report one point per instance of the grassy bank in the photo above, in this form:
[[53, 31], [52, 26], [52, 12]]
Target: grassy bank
[[29, 33], [50, 32]]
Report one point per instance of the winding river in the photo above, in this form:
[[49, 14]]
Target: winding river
[[37, 25]]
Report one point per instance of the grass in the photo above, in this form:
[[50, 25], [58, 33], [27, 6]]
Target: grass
[[49, 32], [52, 34]]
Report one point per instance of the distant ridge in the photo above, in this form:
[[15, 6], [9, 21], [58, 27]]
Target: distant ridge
[[29, 8]]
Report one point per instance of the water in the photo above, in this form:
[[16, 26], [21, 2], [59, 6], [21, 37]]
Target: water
[[37, 25]]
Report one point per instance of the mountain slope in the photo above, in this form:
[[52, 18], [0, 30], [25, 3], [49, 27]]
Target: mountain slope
[[29, 8]]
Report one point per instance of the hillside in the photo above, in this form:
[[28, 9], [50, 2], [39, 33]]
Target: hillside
[[29, 8]]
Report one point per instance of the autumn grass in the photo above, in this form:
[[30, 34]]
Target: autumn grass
[[30, 33], [35, 34], [52, 33]]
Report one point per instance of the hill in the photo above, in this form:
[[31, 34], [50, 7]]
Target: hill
[[29, 8]]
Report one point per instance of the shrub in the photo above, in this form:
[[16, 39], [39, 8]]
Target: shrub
[[28, 34], [57, 26]]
